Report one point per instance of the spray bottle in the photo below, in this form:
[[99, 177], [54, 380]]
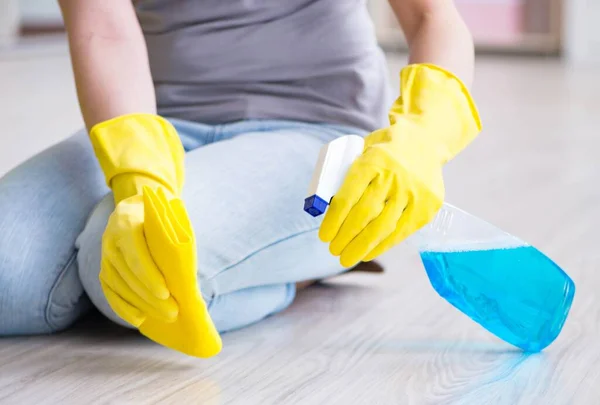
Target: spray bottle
[[507, 286]]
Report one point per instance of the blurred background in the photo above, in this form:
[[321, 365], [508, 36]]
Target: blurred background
[[551, 27], [515, 26]]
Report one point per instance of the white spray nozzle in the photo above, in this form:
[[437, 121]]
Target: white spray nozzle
[[335, 158]]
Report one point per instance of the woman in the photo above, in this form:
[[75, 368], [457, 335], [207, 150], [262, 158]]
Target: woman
[[250, 90]]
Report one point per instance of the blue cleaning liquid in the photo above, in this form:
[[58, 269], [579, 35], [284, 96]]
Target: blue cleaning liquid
[[518, 294]]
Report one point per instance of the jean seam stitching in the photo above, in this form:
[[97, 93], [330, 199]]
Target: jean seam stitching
[[216, 134], [60, 277], [247, 257], [290, 290]]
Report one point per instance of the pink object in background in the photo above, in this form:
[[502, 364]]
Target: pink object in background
[[493, 22]]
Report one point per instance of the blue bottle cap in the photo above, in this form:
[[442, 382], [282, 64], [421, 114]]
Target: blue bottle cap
[[315, 205]]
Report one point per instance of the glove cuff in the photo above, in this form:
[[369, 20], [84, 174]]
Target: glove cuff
[[139, 145], [416, 78], [440, 103]]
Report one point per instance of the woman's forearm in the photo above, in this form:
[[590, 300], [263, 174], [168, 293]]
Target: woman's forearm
[[109, 59], [437, 34]]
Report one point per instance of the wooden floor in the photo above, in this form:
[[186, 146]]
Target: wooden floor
[[360, 339]]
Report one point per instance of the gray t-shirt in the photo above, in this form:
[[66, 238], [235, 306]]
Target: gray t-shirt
[[217, 61]]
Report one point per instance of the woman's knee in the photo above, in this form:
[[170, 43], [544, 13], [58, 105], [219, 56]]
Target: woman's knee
[[43, 205], [37, 296]]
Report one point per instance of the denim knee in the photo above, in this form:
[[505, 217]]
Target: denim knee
[[38, 299]]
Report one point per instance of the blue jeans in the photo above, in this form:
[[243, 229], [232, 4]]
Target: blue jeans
[[245, 185]]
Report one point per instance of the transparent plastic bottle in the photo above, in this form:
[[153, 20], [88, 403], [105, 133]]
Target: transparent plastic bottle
[[507, 286]]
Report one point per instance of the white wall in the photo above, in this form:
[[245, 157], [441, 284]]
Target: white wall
[[582, 32], [40, 12], [9, 22]]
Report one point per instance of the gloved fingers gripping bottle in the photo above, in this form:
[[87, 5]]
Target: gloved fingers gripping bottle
[[396, 186], [149, 269], [510, 288]]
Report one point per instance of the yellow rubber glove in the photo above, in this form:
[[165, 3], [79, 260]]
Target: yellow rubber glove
[[148, 270], [396, 186], [132, 283]]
